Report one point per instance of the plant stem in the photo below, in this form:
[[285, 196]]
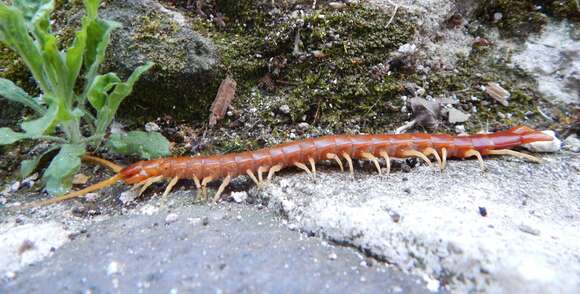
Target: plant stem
[[53, 139]]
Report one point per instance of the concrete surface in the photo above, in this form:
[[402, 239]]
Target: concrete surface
[[511, 229], [230, 248]]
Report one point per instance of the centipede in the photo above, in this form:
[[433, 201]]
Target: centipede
[[261, 165]]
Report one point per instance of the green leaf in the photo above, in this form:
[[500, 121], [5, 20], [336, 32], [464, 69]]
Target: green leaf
[[92, 6], [119, 93], [28, 166], [34, 10], [46, 123], [14, 33], [146, 145], [58, 176], [74, 55], [8, 136], [98, 38], [14, 93], [99, 90]]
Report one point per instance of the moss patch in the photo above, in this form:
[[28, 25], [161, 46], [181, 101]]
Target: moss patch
[[319, 64], [519, 18]]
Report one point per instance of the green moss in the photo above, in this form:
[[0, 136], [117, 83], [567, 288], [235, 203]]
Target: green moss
[[565, 9], [325, 91], [479, 68], [519, 18]]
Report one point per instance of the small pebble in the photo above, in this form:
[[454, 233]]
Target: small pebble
[[303, 125], [10, 275], [529, 230], [407, 190], [337, 5], [285, 109], [482, 211], [171, 218], [205, 221], [15, 186], [395, 216], [152, 127], [332, 256], [113, 268], [239, 197]]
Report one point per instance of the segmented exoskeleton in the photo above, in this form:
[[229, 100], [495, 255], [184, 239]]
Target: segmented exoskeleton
[[305, 153]]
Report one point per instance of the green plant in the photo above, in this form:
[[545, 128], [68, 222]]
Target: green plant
[[75, 98]]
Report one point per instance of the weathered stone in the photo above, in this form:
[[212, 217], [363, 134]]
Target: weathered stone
[[185, 61]]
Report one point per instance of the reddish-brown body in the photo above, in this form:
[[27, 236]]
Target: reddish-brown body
[[355, 146]]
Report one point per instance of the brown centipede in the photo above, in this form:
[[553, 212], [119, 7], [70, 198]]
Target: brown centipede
[[304, 154]]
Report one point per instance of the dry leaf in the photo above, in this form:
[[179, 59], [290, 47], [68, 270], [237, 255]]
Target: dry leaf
[[222, 101]]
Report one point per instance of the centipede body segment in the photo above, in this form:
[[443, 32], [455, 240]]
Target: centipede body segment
[[304, 154]]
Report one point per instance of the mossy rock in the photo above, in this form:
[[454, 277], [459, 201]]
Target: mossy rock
[[519, 18], [182, 82]]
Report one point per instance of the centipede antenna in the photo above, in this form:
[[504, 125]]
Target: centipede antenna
[[261, 170], [312, 166], [349, 161], [100, 185], [430, 151], [337, 159], [415, 153], [170, 186], [250, 174], [385, 155], [302, 166], [372, 158], [443, 157], [222, 187], [112, 166], [148, 183], [514, 153], [274, 169], [473, 152]]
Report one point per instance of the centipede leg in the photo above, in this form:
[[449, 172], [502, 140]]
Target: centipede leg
[[415, 153], [303, 166], [385, 155], [349, 161], [250, 174], [222, 187], [430, 151], [168, 189], [261, 170], [443, 157], [198, 186], [273, 169], [372, 158], [337, 159], [312, 166], [473, 152], [514, 153], [204, 183], [146, 183]]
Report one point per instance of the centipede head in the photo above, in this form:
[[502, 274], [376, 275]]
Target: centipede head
[[141, 171], [529, 135]]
